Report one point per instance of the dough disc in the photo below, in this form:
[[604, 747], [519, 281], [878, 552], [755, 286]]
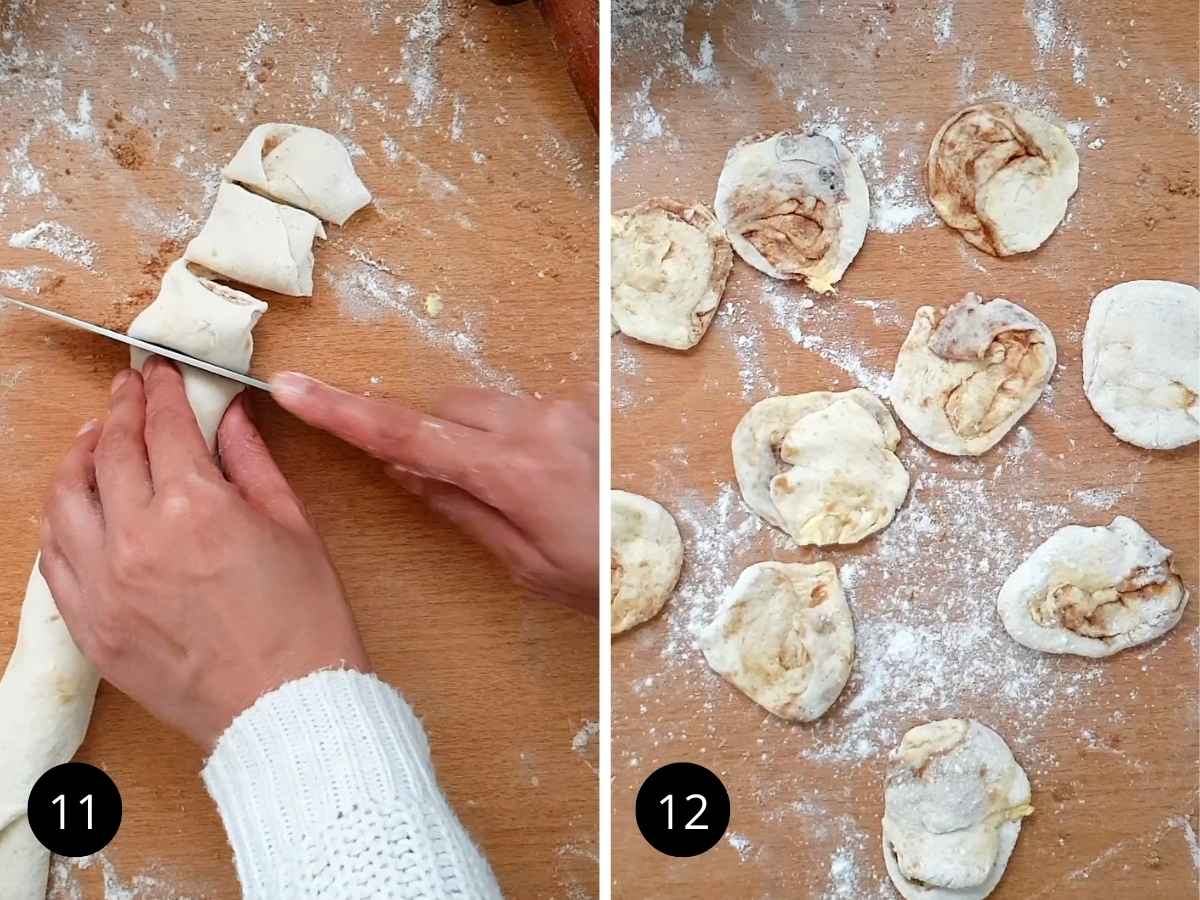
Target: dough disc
[[1001, 177], [669, 267], [794, 206], [821, 466], [1141, 362], [1093, 591], [784, 637], [953, 803], [967, 373], [647, 554]]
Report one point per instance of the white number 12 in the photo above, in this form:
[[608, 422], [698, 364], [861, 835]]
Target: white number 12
[[669, 801]]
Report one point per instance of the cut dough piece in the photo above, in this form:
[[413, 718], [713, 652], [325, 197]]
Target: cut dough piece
[[48, 687], [1141, 362], [794, 206], [248, 238], [784, 637], [1093, 591], [821, 466], [669, 267], [647, 554], [301, 166], [210, 321], [1001, 177], [953, 804], [965, 375]]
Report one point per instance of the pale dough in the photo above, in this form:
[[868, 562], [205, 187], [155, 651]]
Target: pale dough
[[794, 206], [1093, 591], [1141, 362], [1001, 177], [250, 239], [821, 466], [669, 267], [303, 167], [784, 637], [966, 374], [47, 689], [953, 804], [647, 554]]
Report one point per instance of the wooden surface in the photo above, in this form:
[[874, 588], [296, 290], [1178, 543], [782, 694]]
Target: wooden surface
[[1109, 745], [481, 160]]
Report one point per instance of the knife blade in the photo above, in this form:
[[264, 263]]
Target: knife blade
[[148, 346]]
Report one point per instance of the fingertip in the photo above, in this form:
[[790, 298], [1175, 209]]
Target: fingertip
[[89, 425], [290, 388], [120, 380]]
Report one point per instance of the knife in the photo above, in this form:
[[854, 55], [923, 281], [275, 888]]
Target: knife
[[157, 349]]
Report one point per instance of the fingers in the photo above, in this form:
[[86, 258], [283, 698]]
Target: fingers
[[73, 513], [174, 444], [479, 522], [424, 445], [482, 408], [122, 467], [250, 467]]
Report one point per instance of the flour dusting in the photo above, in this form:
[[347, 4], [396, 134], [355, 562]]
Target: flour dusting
[[150, 885], [58, 239], [419, 68]]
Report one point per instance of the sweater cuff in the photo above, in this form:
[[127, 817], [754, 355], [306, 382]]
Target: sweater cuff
[[329, 777]]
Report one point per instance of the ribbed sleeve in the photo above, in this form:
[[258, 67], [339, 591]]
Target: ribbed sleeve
[[327, 790]]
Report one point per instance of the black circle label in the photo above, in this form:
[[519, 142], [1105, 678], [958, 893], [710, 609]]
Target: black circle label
[[74, 809], [682, 809]]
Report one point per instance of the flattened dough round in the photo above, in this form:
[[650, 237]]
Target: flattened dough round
[[670, 263], [966, 374], [821, 466], [784, 637], [1093, 591], [1001, 177], [794, 206], [647, 554], [1141, 362], [953, 804]]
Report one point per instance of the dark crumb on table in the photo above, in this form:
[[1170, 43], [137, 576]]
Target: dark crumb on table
[[1182, 186], [53, 285], [168, 250]]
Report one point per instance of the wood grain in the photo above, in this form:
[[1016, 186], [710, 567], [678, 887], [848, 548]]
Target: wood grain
[[482, 163], [1110, 746]]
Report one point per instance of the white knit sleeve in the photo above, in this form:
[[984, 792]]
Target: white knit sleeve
[[327, 790]]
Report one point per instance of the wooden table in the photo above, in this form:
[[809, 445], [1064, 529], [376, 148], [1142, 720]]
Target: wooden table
[[117, 118], [1110, 745]]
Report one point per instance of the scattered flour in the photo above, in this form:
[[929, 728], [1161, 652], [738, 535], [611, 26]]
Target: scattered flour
[[584, 736], [150, 885], [28, 279], [1100, 498], [740, 843], [58, 239], [943, 24], [419, 68], [162, 54]]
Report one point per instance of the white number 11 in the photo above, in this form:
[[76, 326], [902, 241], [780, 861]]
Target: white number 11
[[61, 802]]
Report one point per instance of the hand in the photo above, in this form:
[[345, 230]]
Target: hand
[[192, 591], [517, 475]]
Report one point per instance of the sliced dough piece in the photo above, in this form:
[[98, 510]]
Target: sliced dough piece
[[301, 166], [669, 267], [1093, 591], [794, 206], [953, 804], [48, 686], [966, 374], [1001, 177], [248, 238], [821, 466], [1141, 362], [784, 637], [207, 320], [647, 554]]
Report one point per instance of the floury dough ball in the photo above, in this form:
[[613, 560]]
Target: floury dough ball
[[967, 373], [784, 637], [647, 554], [794, 206], [1093, 591], [1001, 177], [821, 466], [1141, 362], [670, 263], [952, 809]]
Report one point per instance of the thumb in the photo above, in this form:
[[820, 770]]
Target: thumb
[[249, 466]]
